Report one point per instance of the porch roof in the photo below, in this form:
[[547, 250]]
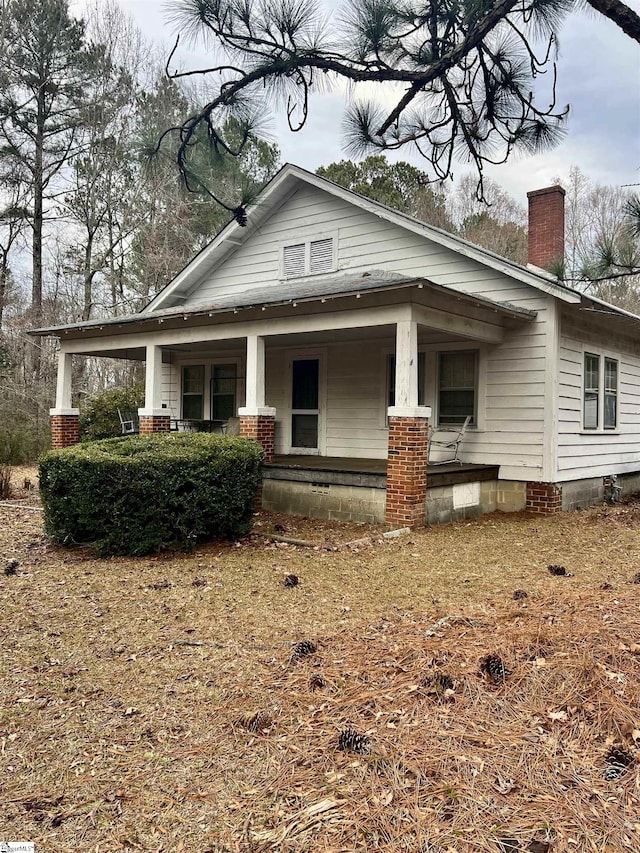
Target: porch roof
[[287, 294]]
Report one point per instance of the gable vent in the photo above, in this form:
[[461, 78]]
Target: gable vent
[[293, 261], [321, 255]]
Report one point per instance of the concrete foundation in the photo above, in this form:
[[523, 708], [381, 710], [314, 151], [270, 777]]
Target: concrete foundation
[[348, 496], [469, 500], [325, 500]]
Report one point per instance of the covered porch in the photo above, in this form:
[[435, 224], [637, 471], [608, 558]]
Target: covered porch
[[336, 393]]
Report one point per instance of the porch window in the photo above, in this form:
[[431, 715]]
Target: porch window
[[600, 392], [457, 387], [391, 379], [224, 379], [193, 392], [308, 258]]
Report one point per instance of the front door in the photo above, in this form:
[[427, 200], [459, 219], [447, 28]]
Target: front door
[[305, 405]]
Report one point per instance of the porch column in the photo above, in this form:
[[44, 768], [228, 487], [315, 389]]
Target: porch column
[[65, 421], [257, 420], [408, 437], [153, 418]]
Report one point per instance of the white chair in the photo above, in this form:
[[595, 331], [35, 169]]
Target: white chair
[[446, 440], [232, 427], [129, 421]]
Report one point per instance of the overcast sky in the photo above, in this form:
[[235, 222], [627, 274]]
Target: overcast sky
[[599, 75]]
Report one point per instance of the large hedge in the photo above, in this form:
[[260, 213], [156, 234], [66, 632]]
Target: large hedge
[[99, 417], [139, 494]]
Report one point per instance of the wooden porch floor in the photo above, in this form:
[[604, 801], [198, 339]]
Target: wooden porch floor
[[304, 467]]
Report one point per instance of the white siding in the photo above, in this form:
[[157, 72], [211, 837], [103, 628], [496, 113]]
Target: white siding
[[583, 454], [171, 389], [515, 379], [365, 242]]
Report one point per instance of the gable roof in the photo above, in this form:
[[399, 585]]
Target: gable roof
[[284, 184]]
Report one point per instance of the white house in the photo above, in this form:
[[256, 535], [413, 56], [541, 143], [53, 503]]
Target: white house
[[339, 329]]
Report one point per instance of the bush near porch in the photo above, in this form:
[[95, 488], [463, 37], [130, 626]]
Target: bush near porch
[[136, 495], [99, 418]]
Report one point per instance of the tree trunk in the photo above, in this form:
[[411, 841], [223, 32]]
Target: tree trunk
[[88, 279]]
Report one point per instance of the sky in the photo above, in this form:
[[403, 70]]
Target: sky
[[598, 75]]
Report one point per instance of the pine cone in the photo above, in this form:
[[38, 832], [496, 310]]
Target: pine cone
[[352, 741], [493, 667], [303, 650], [258, 722], [557, 571], [11, 568], [316, 681], [291, 580], [240, 215], [618, 761], [443, 681], [519, 594]]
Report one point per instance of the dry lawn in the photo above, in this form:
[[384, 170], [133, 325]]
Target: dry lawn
[[153, 704]]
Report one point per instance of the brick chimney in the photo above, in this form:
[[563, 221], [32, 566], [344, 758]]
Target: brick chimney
[[546, 226]]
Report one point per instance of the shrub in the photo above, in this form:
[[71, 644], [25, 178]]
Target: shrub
[[99, 418], [21, 442], [139, 494]]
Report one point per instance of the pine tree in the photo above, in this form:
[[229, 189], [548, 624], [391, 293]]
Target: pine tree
[[45, 70]]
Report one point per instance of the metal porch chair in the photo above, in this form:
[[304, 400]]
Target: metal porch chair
[[129, 421], [446, 440]]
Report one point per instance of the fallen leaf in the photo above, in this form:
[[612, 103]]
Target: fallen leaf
[[557, 716], [504, 786]]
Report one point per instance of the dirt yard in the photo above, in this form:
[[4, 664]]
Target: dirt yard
[[398, 698]]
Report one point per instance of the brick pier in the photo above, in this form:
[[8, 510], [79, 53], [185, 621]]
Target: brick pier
[[154, 423], [260, 428], [65, 430], [544, 498], [407, 471]]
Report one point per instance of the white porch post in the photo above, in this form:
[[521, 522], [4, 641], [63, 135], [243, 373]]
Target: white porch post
[[408, 443], [63, 386], [407, 364], [255, 405], [257, 420], [65, 421], [255, 396], [153, 383], [153, 418]]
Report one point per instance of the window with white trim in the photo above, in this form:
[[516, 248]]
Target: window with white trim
[[308, 258], [193, 392], [600, 392], [457, 387]]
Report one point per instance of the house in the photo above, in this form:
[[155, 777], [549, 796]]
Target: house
[[339, 329]]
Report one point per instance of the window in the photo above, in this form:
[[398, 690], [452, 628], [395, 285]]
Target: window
[[591, 390], [223, 391], [391, 380], [457, 387], [600, 392], [193, 392], [309, 258], [610, 393]]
